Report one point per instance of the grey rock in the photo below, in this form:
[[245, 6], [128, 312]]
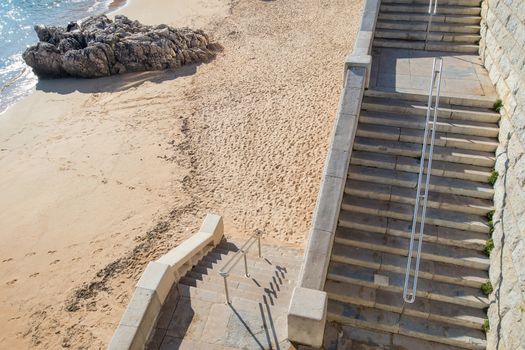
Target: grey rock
[[100, 47]]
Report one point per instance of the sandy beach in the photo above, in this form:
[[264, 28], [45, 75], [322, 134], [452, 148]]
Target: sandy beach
[[102, 176]]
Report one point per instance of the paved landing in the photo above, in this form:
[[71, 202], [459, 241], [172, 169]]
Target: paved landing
[[196, 315], [409, 71]]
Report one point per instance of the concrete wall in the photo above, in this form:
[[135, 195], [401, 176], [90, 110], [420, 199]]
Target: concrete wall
[[502, 49]]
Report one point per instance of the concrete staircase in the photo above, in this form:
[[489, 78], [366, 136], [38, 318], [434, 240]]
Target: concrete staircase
[[366, 273], [455, 27], [197, 314]]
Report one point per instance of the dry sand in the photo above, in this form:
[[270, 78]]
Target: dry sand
[[101, 176]]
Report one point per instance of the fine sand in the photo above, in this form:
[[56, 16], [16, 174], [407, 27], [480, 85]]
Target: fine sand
[[101, 176]]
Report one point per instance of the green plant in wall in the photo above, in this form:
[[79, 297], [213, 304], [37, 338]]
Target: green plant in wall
[[489, 245], [486, 288], [485, 326], [490, 222], [498, 105], [493, 177]]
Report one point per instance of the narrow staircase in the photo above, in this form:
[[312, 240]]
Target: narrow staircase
[[454, 28], [368, 262], [197, 315]]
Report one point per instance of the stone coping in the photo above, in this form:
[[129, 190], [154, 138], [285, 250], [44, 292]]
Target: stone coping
[[307, 310], [156, 281]]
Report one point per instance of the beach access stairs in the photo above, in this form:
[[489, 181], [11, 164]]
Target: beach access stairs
[[356, 258]]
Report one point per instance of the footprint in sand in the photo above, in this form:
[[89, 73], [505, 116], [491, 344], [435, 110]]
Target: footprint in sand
[[7, 260], [34, 274], [11, 282], [51, 251], [54, 262], [97, 251], [31, 254]]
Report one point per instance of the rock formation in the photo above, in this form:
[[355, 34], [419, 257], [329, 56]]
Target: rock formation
[[100, 47]]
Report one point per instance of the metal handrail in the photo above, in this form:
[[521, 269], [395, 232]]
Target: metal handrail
[[225, 270], [431, 13], [436, 75]]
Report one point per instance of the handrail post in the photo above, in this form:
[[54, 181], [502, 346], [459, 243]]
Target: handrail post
[[259, 234], [431, 14], [225, 277], [245, 265]]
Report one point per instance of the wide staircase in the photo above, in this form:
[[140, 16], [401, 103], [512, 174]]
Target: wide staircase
[[367, 269], [197, 315], [404, 23]]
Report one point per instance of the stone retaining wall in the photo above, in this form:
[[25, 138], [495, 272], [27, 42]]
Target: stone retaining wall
[[502, 49]]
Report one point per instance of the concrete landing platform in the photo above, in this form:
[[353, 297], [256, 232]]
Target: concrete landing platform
[[409, 71]]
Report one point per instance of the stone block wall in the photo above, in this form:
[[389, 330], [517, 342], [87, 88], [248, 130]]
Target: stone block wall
[[502, 49]]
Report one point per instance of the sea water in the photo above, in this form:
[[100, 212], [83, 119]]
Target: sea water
[[17, 19]]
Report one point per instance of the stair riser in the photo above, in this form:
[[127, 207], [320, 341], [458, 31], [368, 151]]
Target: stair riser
[[443, 124], [419, 293], [461, 208], [420, 45], [247, 282], [442, 10], [441, 140], [412, 153], [403, 16], [488, 116], [388, 329], [403, 252], [254, 268], [432, 36], [415, 313], [422, 26]]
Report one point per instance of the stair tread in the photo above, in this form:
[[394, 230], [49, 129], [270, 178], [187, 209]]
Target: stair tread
[[448, 201], [441, 169], [404, 211], [359, 266], [396, 245], [425, 23], [408, 149], [361, 316], [402, 228], [416, 111], [408, 179], [422, 8], [391, 300]]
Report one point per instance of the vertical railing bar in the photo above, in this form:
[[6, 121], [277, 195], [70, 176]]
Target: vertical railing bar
[[246, 273], [418, 190], [431, 14]]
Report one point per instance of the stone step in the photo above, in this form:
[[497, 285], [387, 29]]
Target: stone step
[[411, 165], [267, 257], [423, 9], [379, 320], [433, 36], [409, 180], [359, 266], [237, 299], [436, 200], [423, 17], [474, 108], [413, 150], [254, 293], [255, 268], [386, 299], [449, 140], [432, 252], [474, 3], [400, 116], [266, 249], [276, 281], [402, 228], [422, 26], [458, 47], [283, 257], [396, 210]]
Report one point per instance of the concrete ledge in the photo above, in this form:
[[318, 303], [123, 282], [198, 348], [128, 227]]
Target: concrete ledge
[[155, 283], [307, 316]]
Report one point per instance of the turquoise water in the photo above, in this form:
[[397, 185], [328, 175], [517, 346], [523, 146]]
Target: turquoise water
[[17, 19]]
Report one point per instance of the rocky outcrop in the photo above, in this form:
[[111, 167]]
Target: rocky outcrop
[[100, 47]]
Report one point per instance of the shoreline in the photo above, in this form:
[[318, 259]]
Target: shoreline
[[102, 176]]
